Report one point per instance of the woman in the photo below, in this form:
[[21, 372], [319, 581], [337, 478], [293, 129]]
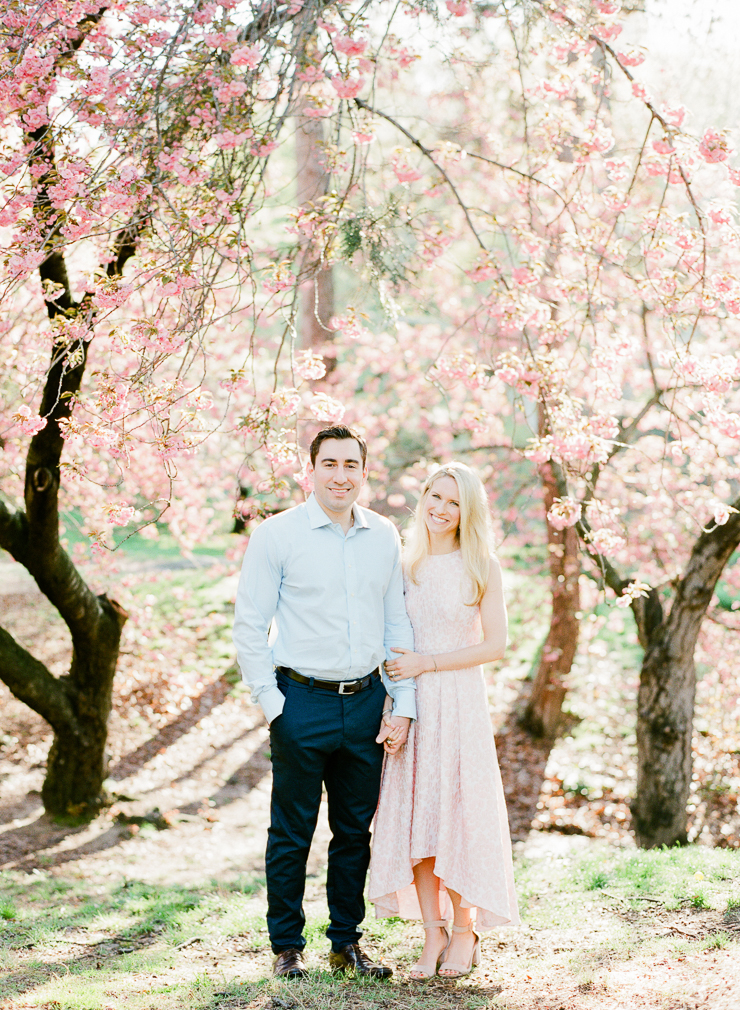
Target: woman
[[441, 843]]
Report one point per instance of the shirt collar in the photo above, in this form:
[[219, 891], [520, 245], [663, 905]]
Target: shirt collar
[[317, 517]]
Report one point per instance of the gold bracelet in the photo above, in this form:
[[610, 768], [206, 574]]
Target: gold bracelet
[[434, 660]]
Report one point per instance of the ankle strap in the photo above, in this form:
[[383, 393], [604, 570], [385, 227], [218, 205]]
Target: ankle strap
[[463, 929], [435, 922]]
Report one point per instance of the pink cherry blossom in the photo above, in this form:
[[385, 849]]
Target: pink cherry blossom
[[719, 213], [564, 512], [618, 171], [280, 453], [524, 276], [349, 46], [326, 408], [304, 481], [347, 87], [607, 33], [285, 402], [309, 366], [28, 422], [606, 541], [317, 111], [632, 592], [539, 450], [722, 512], [405, 171], [264, 148], [631, 58], [245, 56], [119, 513], [674, 114], [714, 146]]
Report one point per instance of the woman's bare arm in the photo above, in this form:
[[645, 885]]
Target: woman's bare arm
[[492, 647]]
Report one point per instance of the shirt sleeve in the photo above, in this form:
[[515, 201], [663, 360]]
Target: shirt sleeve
[[398, 631], [256, 603]]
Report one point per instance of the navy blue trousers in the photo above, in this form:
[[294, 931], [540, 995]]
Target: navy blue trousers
[[322, 737]]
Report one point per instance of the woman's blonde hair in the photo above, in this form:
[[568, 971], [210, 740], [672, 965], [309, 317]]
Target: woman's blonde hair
[[474, 532]]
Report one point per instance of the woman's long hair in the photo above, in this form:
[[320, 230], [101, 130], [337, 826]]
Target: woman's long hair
[[474, 534]]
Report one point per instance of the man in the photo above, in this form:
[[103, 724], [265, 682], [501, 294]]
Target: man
[[329, 573]]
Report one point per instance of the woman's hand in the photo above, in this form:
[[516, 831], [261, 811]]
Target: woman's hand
[[394, 730], [408, 664]]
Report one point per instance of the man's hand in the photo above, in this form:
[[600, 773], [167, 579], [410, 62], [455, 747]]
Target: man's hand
[[394, 729]]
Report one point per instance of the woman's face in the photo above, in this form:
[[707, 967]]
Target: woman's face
[[442, 508]]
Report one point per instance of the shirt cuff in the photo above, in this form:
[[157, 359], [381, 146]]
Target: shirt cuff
[[404, 699], [271, 701]]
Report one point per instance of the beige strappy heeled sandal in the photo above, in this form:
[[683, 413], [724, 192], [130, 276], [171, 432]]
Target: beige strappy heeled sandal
[[427, 970], [461, 970]]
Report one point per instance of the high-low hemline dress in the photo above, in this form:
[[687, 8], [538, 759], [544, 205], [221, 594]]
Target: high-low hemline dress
[[441, 795]]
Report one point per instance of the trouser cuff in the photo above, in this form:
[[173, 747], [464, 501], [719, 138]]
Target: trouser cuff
[[278, 948]]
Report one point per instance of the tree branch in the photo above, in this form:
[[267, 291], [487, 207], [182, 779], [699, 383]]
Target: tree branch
[[13, 531], [33, 684], [362, 104]]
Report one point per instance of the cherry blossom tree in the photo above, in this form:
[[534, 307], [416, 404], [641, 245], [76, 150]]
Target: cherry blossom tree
[[533, 264]]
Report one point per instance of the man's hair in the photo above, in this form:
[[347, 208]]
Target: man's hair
[[338, 431]]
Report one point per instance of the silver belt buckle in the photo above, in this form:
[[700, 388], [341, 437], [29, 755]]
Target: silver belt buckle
[[346, 683]]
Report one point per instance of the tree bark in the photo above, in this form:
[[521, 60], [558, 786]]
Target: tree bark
[[77, 764], [665, 702], [317, 292], [543, 713]]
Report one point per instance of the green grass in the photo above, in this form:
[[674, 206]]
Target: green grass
[[75, 944]]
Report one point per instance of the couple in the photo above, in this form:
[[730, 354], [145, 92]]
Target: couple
[[350, 674]]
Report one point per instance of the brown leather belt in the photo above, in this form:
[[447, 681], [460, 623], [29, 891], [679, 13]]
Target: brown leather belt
[[340, 686]]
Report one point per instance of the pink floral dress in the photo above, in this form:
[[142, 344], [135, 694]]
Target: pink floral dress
[[441, 795]]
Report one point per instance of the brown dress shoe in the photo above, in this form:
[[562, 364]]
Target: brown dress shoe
[[354, 958], [290, 964]]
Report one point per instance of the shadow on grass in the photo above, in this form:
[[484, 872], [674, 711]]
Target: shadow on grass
[[22, 847], [207, 700], [243, 780], [25, 806], [53, 913], [18, 844]]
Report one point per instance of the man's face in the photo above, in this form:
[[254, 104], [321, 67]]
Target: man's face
[[338, 474]]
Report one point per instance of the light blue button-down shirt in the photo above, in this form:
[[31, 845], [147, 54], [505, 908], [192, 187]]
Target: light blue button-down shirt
[[337, 602]]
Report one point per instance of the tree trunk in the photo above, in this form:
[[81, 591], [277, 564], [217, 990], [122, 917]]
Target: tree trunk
[[77, 765], [317, 292], [76, 706], [543, 713], [665, 701]]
